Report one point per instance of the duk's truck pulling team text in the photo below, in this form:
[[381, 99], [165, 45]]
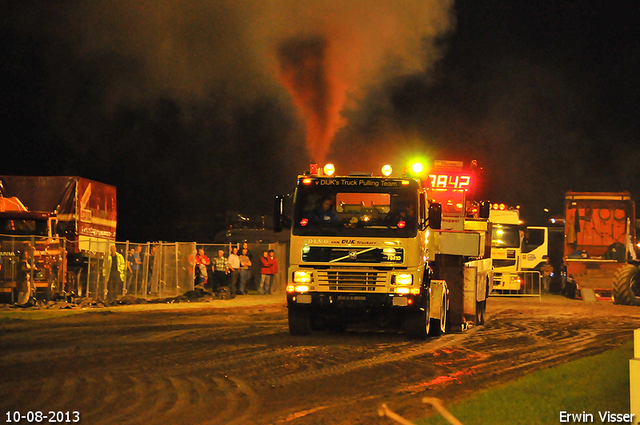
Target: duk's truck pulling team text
[[398, 250], [62, 222]]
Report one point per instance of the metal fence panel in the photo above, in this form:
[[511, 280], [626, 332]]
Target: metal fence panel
[[166, 269], [522, 284]]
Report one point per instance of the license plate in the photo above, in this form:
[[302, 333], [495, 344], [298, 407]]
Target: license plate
[[351, 298], [304, 299]]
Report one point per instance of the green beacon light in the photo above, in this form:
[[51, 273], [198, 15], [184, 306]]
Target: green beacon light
[[417, 167]]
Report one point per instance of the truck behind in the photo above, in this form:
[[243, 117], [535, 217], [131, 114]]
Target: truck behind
[[63, 221]]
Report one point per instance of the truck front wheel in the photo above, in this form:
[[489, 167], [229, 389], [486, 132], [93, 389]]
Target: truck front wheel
[[299, 322], [417, 324], [439, 326], [626, 285], [481, 308]]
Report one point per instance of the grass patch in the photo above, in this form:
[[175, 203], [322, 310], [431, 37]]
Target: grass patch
[[590, 384]]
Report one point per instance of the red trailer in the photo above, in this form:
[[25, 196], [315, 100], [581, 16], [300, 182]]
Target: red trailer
[[599, 238]]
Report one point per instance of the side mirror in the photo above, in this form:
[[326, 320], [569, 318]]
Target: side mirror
[[435, 216], [483, 211], [278, 222]]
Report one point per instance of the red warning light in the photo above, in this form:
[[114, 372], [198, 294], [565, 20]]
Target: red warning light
[[401, 224], [313, 169], [304, 222]]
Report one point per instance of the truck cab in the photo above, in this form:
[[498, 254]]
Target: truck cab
[[33, 231], [367, 247], [518, 251]]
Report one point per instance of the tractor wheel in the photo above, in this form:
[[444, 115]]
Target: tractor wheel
[[299, 322], [626, 285]]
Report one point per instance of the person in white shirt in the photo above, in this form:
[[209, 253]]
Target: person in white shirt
[[234, 271]]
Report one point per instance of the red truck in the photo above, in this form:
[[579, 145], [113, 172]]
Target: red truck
[[599, 240], [65, 223]]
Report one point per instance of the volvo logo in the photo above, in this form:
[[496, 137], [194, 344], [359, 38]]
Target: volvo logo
[[353, 255]]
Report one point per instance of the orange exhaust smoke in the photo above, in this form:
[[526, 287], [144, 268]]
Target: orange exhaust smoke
[[305, 70]]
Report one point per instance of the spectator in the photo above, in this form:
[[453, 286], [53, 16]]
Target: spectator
[[152, 256], [265, 273], [268, 269], [251, 279], [113, 271], [202, 262], [137, 267], [220, 270], [25, 286], [246, 246], [245, 273], [547, 271], [130, 275], [274, 269], [234, 271], [191, 261]]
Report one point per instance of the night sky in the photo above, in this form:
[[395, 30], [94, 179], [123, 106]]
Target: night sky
[[197, 110]]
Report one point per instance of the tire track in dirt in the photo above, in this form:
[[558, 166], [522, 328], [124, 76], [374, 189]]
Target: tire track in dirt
[[377, 360], [244, 368], [109, 399]]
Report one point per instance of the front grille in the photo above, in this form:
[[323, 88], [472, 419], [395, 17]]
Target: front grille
[[347, 280]]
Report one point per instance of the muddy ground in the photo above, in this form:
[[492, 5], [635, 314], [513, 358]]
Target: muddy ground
[[228, 362]]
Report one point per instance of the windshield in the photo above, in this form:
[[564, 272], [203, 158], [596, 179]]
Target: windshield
[[13, 226], [505, 236], [332, 210]]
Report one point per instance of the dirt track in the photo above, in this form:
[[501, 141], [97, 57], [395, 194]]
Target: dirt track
[[225, 363]]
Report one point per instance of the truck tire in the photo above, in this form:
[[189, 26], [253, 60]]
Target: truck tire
[[299, 322], [481, 308], [626, 285], [438, 327], [417, 324]]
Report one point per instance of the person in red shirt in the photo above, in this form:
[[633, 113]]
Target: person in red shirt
[[202, 262], [265, 272], [273, 269]]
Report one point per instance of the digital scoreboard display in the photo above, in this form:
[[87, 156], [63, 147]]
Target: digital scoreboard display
[[450, 181]]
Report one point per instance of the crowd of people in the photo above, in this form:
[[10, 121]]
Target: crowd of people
[[234, 271]]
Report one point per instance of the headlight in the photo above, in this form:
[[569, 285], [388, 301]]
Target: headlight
[[301, 277], [404, 279], [297, 288], [404, 290]]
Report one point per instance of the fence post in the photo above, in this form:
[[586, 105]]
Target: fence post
[[177, 267], [634, 379]]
